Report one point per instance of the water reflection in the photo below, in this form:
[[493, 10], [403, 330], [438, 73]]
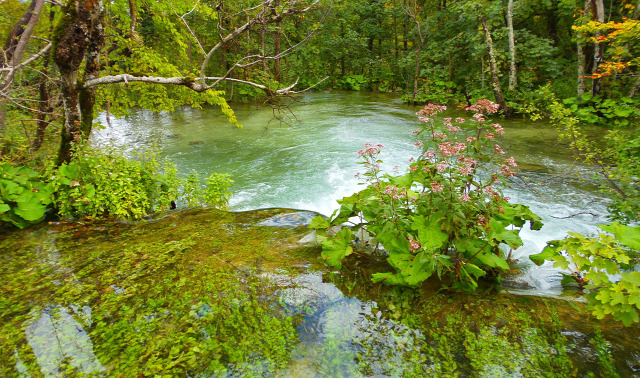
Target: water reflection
[[60, 343]]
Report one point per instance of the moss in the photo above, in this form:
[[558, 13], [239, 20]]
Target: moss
[[184, 294]]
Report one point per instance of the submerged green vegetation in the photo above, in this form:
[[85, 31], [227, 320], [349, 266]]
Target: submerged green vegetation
[[203, 293]]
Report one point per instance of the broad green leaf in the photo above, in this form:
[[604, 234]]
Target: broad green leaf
[[337, 248], [29, 207], [493, 260], [319, 222], [629, 236], [430, 234]]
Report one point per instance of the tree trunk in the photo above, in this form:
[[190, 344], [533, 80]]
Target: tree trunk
[[582, 69], [495, 79], [634, 87], [84, 24], [597, 54], [276, 43], [512, 48], [417, 74], [44, 106], [12, 54]]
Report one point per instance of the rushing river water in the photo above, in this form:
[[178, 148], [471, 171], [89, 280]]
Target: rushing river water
[[309, 161]]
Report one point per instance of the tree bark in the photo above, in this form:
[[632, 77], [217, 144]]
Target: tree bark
[[82, 38], [495, 78], [582, 69], [276, 46], [598, 12], [17, 43], [44, 106], [12, 55], [513, 79]]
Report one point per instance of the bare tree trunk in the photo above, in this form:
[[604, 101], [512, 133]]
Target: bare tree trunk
[[44, 106], [513, 79], [634, 88], [395, 32], [495, 78], [12, 54], [276, 43], [597, 54], [582, 69], [416, 74]]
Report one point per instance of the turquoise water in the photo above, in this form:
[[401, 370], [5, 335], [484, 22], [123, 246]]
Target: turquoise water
[[307, 160]]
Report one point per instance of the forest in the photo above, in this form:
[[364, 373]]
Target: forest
[[496, 158]]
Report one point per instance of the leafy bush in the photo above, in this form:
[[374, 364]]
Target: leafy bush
[[616, 158], [96, 184], [216, 192], [533, 104], [594, 262], [24, 197], [596, 110], [354, 82], [434, 91], [446, 216]]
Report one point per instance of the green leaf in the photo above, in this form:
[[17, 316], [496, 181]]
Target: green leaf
[[319, 222], [4, 208], [430, 234], [493, 260], [629, 236], [29, 207], [337, 248]]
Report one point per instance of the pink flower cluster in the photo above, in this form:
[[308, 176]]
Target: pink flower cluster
[[370, 149], [466, 166], [438, 135], [395, 192], [448, 149], [449, 124], [442, 166], [479, 117], [413, 245], [484, 106], [498, 128], [436, 187], [430, 154], [431, 109]]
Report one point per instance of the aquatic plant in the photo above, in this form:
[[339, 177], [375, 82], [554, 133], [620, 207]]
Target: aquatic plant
[[445, 216]]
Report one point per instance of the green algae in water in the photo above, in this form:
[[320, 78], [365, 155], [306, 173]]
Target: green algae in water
[[168, 297], [208, 293]]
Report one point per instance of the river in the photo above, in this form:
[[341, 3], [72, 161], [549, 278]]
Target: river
[[307, 160]]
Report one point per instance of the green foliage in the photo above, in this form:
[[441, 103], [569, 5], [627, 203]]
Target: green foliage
[[354, 82], [24, 196], [533, 104], [444, 216], [616, 156], [622, 112], [434, 91], [97, 183], [145, 299], [594, 262], [216, 192]]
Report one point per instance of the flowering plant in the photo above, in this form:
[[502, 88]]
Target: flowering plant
[[446, 215]]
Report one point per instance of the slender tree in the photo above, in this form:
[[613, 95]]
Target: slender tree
[[493, 66]]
